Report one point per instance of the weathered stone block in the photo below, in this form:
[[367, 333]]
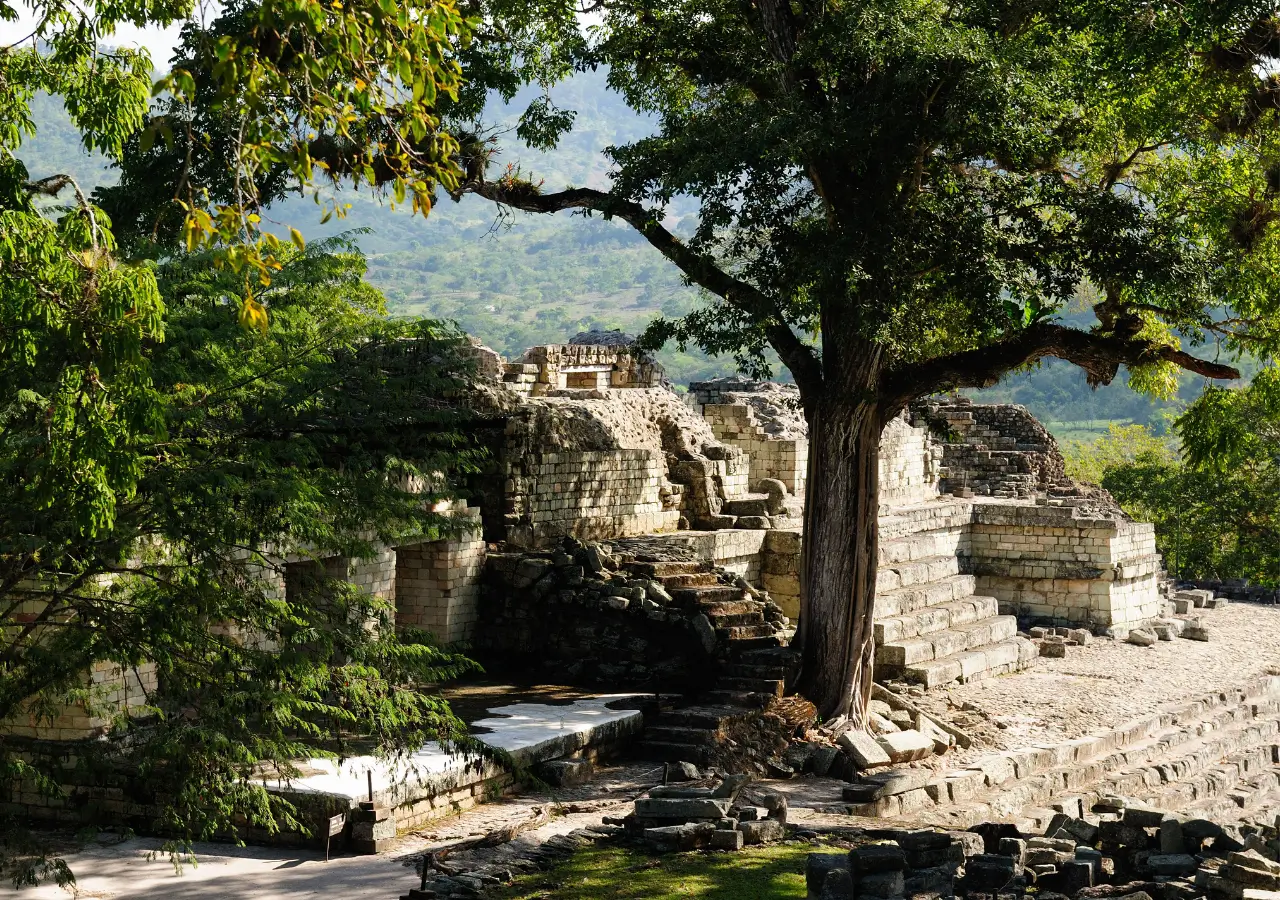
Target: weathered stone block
[[762, 831], [905, 746], [726, 840], [819, 865], [676, 808], [864, 749]]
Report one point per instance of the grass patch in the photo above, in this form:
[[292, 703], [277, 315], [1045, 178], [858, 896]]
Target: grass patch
[[775, 872]]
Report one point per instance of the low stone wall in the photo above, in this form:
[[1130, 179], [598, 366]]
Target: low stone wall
[[589, 494], [112, 690], [771, 457], [1044, 563], [567, 618]]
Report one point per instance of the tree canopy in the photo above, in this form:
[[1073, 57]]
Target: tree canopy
[[158, 531], [899, 197]]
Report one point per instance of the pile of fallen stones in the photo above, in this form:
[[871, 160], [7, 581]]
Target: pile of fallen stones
[[1236, 589], [1125, 850], [587, 612], [675, 818], [892, 864], [1053, 642]]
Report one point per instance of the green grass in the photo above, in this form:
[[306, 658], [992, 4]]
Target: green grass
[[775, 872]]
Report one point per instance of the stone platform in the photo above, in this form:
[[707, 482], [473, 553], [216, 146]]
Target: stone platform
[[435, 782]]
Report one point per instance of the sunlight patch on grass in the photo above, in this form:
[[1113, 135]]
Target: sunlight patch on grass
[[775, 872]]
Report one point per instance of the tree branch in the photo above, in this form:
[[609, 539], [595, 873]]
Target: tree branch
[[700, 269], [1099, 355]]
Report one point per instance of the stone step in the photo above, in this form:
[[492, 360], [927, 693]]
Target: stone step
[[695, 579], [1012, 655], [746, 633], [732, 608], [1180, 757], [676, 734], [919, 572], [702, 716], [698, 754], [716, 593], [906, 600], [756, 670], [922, 545], [661, 570], [774, 687], [935, 618], [742, 699], [942, 644], [732, 620], [947, 512]]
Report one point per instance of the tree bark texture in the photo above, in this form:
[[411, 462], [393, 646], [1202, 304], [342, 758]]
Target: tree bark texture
[[839, 558]]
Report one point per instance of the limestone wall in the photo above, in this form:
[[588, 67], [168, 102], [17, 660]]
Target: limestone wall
[[770, 457], [910, 463], [111, 691], [438, 584], [591, 494], [1045, 562], [549, 615]]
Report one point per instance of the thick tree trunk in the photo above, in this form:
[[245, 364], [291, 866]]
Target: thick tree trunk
[[838, 571]]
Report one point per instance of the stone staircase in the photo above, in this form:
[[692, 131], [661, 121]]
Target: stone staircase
[[1217, 756], [754, 664], [930, 627]]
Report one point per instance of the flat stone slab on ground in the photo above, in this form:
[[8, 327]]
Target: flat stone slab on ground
[[905, 746], [681, 808]]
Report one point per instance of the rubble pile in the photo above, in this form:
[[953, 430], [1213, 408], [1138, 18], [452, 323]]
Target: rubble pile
[[676, 818], [893, 864], [598, 613], [1125, 850]]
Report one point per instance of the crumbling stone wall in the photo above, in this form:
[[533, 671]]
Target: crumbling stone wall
[[572, 615], [763, 420], [910, 464], [997, 450], [113, 689]]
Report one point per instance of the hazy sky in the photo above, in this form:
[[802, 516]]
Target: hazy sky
[[159, 41]]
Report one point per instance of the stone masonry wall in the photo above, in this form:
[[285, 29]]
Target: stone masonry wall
[[997, 450], [1042, 563], [438, 584], [910, 464], [770, 457], [112, 690], [589, 494], [551, 615]]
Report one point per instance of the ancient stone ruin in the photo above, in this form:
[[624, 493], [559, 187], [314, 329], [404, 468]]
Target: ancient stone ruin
[[631, 539]]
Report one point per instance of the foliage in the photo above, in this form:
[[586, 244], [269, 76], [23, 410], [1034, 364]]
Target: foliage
[[168, 500], [1122, 445], [901, 198], [1216, 503], [757, 873], [266, 91]]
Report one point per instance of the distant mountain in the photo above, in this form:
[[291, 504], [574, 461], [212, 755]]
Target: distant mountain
[[523, 280]]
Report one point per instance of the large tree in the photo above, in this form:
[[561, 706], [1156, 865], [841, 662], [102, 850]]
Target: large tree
[[159, 460], [897, 196]]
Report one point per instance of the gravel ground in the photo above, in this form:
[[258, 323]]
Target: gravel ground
[[1098, 686]]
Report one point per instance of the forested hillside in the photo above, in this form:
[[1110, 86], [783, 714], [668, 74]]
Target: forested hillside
[[518, 280]]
